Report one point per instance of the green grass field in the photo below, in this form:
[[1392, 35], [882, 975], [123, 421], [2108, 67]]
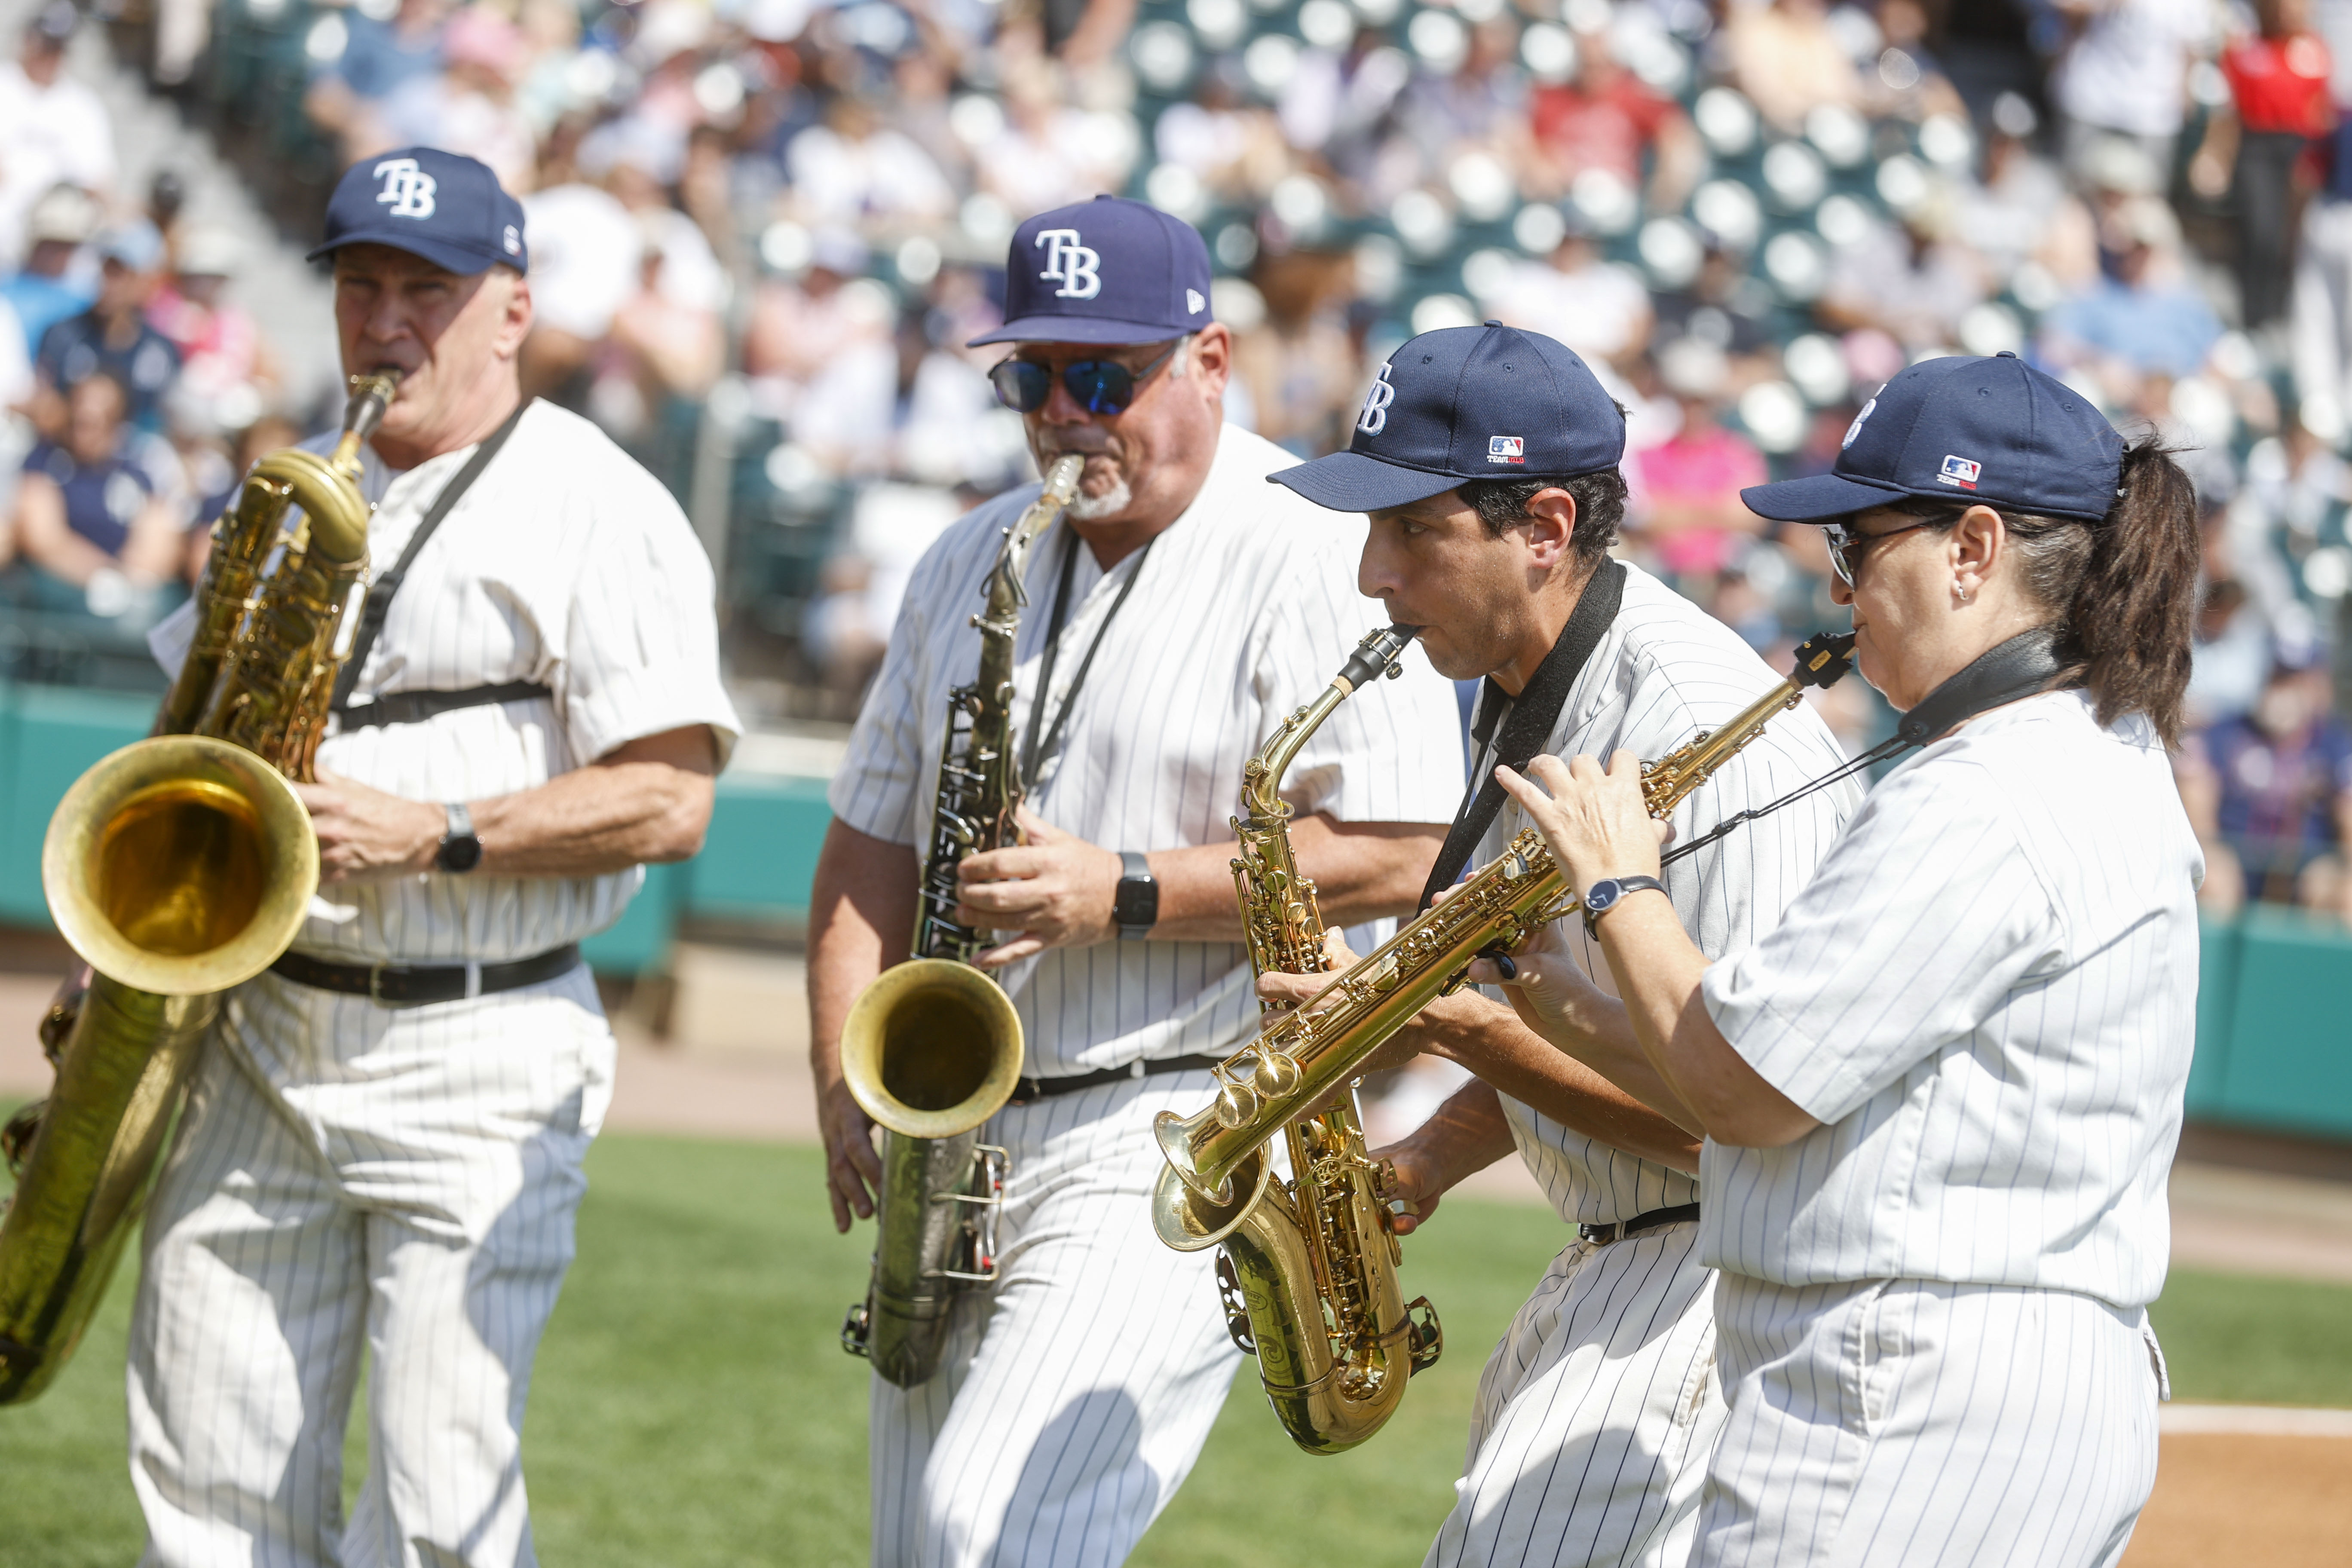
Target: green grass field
[[691, 1411]]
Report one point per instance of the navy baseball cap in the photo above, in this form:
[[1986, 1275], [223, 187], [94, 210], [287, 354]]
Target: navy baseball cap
[[1108, 271], [444, 207], [1467, 402], [1963, 429]]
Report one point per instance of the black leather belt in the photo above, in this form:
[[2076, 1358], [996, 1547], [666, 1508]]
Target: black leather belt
[[1603, 1234], [414, 985], [1030, 1090]]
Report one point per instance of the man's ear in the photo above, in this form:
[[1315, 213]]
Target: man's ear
[[1211, 358], [1550, 522], [515, 324]]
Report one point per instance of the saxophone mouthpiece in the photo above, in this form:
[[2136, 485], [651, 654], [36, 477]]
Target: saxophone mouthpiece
[[1062, 478], [1822, 659]]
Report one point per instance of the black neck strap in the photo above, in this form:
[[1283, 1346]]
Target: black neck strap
[[2022, 667], [1037, 747], [386, 584], [1528, 729], [2019, 668]]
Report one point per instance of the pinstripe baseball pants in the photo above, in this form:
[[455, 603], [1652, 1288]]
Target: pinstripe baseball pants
[[1930, 1425], [1595, 1416], [350, 1175], [1075, 1395]]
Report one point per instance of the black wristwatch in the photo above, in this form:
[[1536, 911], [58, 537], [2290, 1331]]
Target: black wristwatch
[[1136, 906], [460, 850], [1604, 896]]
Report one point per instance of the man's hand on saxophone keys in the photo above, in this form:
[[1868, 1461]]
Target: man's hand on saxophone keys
[[1054, 889]]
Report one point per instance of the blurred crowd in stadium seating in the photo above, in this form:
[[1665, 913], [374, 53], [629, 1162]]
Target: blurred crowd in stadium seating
[[761, 231]]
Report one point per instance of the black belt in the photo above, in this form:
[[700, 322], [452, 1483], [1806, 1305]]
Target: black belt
[[1603, 1234], [413, 985], [1030, 1090]]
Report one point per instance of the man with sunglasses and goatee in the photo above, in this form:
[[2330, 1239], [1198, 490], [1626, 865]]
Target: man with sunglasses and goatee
[[1177, 611]]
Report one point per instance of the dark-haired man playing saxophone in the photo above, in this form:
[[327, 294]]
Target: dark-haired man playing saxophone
[[1487, 459]]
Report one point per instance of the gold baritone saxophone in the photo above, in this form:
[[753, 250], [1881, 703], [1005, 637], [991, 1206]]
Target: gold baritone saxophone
[[1303, 1056], [932, 1048], [1307, 1268], [177, 868]]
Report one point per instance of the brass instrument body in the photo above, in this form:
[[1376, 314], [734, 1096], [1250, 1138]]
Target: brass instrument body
[[1307, 1054], [178, 867], [933, 1047], [1309, 1266]]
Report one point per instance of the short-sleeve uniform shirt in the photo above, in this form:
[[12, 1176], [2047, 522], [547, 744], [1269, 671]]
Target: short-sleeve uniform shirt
[[1663, 671], [564, 564], [1243, 608], [1989, 999]]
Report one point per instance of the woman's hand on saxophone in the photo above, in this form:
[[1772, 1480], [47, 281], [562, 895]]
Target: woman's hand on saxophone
[[1596, 821]]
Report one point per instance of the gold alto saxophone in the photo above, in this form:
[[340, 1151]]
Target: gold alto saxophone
[[1307, 1268], [932, 1048], [1300, 1058], [177, 868]]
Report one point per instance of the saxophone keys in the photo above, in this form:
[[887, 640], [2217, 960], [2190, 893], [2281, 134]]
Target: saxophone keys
[[1277, 1074], [1236, 1103]]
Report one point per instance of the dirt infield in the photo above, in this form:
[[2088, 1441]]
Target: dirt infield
[[2232, 1498]]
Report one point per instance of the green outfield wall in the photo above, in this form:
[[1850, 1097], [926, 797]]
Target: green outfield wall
[[2274, 1013]]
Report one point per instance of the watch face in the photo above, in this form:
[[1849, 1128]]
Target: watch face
[[461, 854], [1603, 895]]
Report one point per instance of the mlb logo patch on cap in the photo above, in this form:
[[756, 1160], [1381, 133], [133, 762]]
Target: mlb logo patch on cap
[[1506, 449], [1960, 472]]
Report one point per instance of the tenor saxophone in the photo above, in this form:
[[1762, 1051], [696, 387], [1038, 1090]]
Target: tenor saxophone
[[177, 868], [1307, 1268], [1269, 1082], [932, 1048]]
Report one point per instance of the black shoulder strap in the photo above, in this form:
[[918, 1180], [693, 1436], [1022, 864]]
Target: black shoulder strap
[[1529, 727], [2021, 667], [381, 592]]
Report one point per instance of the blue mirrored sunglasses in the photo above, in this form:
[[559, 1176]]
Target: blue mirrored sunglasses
[[1097, 385]]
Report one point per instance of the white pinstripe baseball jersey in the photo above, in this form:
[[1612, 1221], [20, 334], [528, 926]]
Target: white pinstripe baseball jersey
[[1665, 670], [1989, 996], [565, 564], [1245, 606]]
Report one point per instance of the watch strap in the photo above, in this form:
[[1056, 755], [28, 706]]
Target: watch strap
[[1623, 885], [459, 832], [1136, 906]]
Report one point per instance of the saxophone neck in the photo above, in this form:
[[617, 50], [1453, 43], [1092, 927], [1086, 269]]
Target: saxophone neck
[[1374, 656], [371, 395], [1820, 661]]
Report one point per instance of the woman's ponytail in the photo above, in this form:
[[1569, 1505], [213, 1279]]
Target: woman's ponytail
[[2130, 617]]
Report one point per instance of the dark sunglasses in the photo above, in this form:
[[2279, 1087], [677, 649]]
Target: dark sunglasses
[[1848, 549], [1097, 385]]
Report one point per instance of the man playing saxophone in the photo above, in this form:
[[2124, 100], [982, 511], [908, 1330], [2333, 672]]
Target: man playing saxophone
[[1486, 457], [1176, 612], [383, 1147]]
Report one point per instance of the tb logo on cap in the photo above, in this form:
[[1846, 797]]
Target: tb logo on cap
[[1375, 417], [406, 188], [1076, 267]]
